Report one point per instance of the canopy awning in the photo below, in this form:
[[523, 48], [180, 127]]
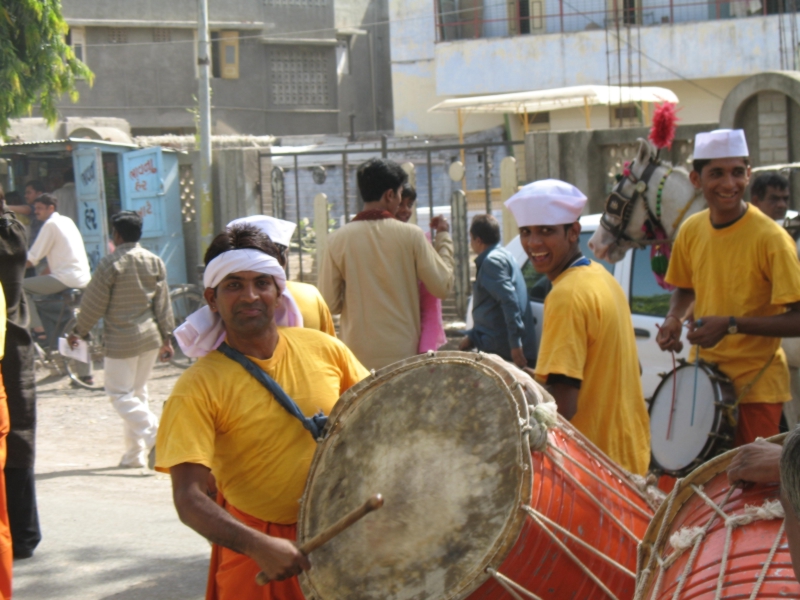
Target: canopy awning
[[580, 96]]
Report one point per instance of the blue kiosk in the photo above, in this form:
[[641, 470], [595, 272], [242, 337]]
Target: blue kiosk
[[110, 177]]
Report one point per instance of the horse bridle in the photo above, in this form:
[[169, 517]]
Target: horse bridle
[[621, 206]]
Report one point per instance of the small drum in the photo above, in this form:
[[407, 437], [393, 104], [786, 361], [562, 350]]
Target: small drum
[[689, 418], [709, 540], [469, 509]]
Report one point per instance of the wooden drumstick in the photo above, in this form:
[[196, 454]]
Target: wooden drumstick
[[372, 504]]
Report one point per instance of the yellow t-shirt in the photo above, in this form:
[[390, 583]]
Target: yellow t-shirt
[[316, 314], [588, 335], [220, 416], [749, 269]]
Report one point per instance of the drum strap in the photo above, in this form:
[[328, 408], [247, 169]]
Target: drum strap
[[314, 424], [745, 390]]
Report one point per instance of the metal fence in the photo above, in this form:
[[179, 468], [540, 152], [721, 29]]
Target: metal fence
[[298, 177]]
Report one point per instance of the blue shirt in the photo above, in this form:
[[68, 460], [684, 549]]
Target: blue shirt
[[501, 311]]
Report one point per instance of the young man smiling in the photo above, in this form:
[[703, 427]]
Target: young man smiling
[[741, 270], [587, 359]]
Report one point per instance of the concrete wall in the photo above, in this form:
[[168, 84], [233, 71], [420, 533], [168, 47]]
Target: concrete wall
[[152, 84], [366, 91]]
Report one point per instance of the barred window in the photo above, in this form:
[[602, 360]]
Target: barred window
[[117, 35], [299, 77], [162, 35], [302, 3]]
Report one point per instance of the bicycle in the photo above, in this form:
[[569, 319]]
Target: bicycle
[[61, 312], [185, 299]]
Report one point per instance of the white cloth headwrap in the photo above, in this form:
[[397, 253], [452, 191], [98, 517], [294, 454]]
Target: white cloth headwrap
[[203, 330], [546, 202]]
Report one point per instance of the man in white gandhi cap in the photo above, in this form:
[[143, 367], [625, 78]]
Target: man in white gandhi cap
[[587, 357], [316, 314], [251, 423], [741, 271]]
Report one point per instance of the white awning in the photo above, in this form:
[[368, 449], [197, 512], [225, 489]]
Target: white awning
[[579, 96]]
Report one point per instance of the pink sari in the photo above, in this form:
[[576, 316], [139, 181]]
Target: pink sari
[[430, 316]]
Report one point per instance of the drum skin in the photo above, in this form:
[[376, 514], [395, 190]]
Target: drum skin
[[442, 438], [750, 544]]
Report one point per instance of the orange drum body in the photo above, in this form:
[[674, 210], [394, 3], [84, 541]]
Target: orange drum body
[[708, 540], [471, 510]]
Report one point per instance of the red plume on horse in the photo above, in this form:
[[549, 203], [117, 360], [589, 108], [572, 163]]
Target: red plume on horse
[[665, 119]]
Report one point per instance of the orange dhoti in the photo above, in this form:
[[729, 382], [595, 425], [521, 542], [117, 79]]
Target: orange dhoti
[[232, 576], [757, 420], [6, 553]]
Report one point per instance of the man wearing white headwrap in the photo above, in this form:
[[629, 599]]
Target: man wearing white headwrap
[[741, 271], [316, 314], [587, 358], [221, 420]]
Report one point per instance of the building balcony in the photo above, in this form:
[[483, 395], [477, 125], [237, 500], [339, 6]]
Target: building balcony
[[476, 19]]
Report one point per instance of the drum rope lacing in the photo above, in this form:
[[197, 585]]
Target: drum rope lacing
[[542, 418], [691, 537]]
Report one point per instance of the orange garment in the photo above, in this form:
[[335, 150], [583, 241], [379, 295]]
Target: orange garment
[[6, 553], [757, 420], [232, 576]]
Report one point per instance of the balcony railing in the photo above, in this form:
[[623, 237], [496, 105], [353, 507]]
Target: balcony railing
[[472, 19]]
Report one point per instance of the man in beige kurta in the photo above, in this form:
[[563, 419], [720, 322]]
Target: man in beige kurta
[[371, 267]]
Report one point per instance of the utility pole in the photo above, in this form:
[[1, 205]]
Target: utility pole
[[204, 100]]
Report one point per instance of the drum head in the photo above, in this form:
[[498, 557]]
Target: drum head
[[440, 438], [693, 417]]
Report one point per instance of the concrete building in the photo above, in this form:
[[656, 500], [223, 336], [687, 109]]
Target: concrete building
[[701, 50], [279, 66]]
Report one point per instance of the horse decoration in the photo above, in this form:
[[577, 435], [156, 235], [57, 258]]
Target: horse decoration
[[648, 204]]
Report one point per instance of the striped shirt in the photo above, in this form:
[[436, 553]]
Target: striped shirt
[[129, 292]]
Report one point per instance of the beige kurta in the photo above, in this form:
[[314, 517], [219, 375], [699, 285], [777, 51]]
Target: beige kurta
[[369, 274]]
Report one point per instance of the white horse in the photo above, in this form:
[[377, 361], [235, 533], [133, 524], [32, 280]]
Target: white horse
[[655, 195]]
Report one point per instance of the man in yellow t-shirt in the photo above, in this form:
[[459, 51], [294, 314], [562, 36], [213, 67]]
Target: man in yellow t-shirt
[[741, 270], [587, 357], [219, 419], [316, 314]]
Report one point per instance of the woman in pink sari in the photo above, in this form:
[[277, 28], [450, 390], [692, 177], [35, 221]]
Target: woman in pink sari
[[430, 307]]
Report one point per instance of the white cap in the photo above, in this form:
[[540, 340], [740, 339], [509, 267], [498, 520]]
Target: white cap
[[278, 230], [546, 202], [721, 143]]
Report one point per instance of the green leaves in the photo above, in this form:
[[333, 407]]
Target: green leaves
[[36, 64]]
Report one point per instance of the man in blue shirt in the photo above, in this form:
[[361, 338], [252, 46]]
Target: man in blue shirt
[[504, 322]]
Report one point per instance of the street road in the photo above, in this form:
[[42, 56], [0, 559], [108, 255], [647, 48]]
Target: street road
[[107, 532]]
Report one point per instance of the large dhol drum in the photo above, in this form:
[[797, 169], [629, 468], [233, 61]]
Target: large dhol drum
[[689, 418], [469, 508], [711, 540]]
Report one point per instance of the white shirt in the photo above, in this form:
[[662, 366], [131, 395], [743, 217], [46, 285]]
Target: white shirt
[[61, 243]]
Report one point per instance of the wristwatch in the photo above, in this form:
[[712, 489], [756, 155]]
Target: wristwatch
[[732, 327]]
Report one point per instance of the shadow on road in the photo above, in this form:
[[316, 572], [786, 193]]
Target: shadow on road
[[97, 472], [96, 574]]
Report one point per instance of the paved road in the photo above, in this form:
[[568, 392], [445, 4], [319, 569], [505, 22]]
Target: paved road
[[107, 532]]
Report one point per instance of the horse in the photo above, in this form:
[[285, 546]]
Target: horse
[[668, 198]]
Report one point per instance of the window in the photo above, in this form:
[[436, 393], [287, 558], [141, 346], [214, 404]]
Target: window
[[229, 54], [161, 35], [302, 3], [299, 77], [76, 39], [342, 58], [117, 35], [646, 296], [540, 118], [626, 112]]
